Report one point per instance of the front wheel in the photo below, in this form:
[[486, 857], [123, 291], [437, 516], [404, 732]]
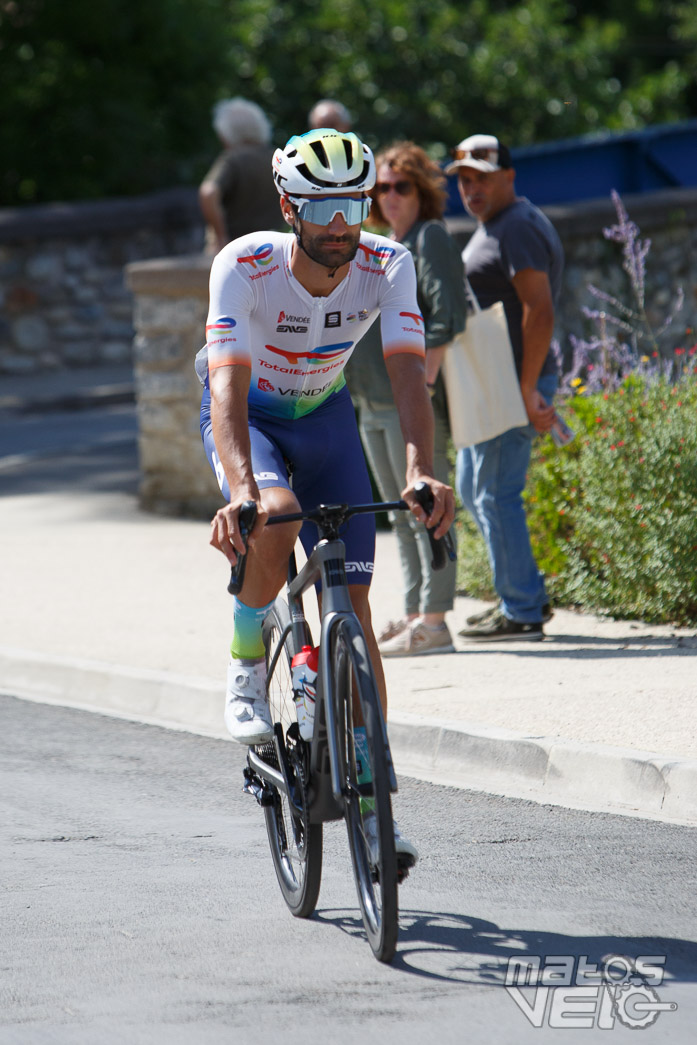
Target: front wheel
[[364, 771], [296, 844]]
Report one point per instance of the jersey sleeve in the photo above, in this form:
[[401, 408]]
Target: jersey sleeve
[[401, 322], [230, 306]]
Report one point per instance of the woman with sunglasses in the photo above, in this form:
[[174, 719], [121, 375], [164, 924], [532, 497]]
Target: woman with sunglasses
[[409, 199]]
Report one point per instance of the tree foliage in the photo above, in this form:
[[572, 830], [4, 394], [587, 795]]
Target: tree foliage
[[108, 97]]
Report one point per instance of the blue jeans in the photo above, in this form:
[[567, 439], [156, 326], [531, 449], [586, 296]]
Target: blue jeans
[[490, 479]]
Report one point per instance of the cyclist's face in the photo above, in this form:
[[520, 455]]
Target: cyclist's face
[[329, 245]]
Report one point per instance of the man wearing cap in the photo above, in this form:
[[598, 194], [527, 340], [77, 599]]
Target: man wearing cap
[[514, 256]]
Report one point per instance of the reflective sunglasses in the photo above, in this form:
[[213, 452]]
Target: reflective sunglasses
[[402, 188], [488, 155], [321, 212]]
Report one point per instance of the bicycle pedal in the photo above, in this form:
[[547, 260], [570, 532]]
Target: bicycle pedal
[[254, 787]]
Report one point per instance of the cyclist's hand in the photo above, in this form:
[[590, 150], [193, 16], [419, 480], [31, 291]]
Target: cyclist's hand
[[443, 512], [225, 529]]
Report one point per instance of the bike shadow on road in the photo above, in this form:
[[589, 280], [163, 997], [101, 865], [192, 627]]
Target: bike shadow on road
[[454, 948]]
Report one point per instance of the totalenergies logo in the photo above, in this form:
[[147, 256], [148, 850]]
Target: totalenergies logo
[[413, 315], [377, 258], [263, 255], [323, 354], [222, 326]]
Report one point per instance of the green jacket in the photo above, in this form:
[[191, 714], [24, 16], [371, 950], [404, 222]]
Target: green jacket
[[441, 298]]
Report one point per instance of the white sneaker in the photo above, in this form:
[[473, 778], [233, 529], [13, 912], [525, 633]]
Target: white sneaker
[[407, 853], [247, 715]]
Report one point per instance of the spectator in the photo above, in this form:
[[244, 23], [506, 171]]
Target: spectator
[[409, 197], [238, 195], [514, 256], [328, 113]]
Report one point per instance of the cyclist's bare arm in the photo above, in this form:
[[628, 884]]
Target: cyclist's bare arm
[[229, 389], [407, 375]]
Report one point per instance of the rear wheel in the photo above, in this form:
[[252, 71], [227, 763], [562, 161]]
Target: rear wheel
[[367, 803], [296, 844]]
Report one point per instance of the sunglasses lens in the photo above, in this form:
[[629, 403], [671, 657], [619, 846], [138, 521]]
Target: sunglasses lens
[[321, 212], [402, 188]]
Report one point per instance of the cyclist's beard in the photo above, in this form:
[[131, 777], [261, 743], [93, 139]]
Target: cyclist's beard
[[325, 249]]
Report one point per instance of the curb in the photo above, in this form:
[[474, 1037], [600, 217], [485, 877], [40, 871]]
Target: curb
[[549, 770]]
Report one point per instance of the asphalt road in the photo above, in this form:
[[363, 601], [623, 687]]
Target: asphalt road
[[139, 905]]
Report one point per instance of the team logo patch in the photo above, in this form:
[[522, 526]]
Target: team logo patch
[[287, 324], [323, 354], [263, 255], [265, 386], [221, 326], [332, 319], [376, 260]]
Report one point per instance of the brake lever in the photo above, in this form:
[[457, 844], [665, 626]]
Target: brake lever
[[247, 518], [442, 548]]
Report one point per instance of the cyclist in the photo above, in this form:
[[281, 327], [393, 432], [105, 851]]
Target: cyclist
[[285, 313]]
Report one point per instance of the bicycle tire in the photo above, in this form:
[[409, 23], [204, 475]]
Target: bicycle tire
[[295, 843], [374, 870]]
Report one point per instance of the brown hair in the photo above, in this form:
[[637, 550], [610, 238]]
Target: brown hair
[[410, 160]]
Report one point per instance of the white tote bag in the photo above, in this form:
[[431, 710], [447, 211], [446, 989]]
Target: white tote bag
[[484, 397]]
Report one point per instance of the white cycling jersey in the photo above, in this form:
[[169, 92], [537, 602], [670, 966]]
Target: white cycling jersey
[[297, 345]]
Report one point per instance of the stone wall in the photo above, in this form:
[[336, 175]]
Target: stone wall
[[171, 304], [63, 300]]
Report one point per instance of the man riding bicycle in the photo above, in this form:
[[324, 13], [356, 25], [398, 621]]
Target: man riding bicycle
[[285, 314]]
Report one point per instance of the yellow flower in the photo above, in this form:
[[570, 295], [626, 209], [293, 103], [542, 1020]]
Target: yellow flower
[[576, 381], [581, 390], [644, 359]]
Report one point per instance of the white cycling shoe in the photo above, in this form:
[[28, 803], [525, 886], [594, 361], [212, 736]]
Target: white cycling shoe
[[407, 853], [247, 715]]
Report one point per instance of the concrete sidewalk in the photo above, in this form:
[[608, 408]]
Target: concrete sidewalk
[[111, 609]]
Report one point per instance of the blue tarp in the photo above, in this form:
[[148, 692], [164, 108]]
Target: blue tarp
[[589, 167]]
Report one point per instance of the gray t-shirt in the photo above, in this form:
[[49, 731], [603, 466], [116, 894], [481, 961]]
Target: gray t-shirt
[[518, 237]]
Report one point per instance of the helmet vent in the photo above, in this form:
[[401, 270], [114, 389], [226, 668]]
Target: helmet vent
[[349, 154], [321, 153]]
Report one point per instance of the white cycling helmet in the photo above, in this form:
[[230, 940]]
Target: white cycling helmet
[[323, 161]]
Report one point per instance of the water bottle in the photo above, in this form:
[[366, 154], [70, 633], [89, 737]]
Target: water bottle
[[560, 431], [304, 675]]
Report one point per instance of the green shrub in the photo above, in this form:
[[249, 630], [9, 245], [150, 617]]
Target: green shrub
[[613, 517]]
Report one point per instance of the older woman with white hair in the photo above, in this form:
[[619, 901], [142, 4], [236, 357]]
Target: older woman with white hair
[[238, 194]]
